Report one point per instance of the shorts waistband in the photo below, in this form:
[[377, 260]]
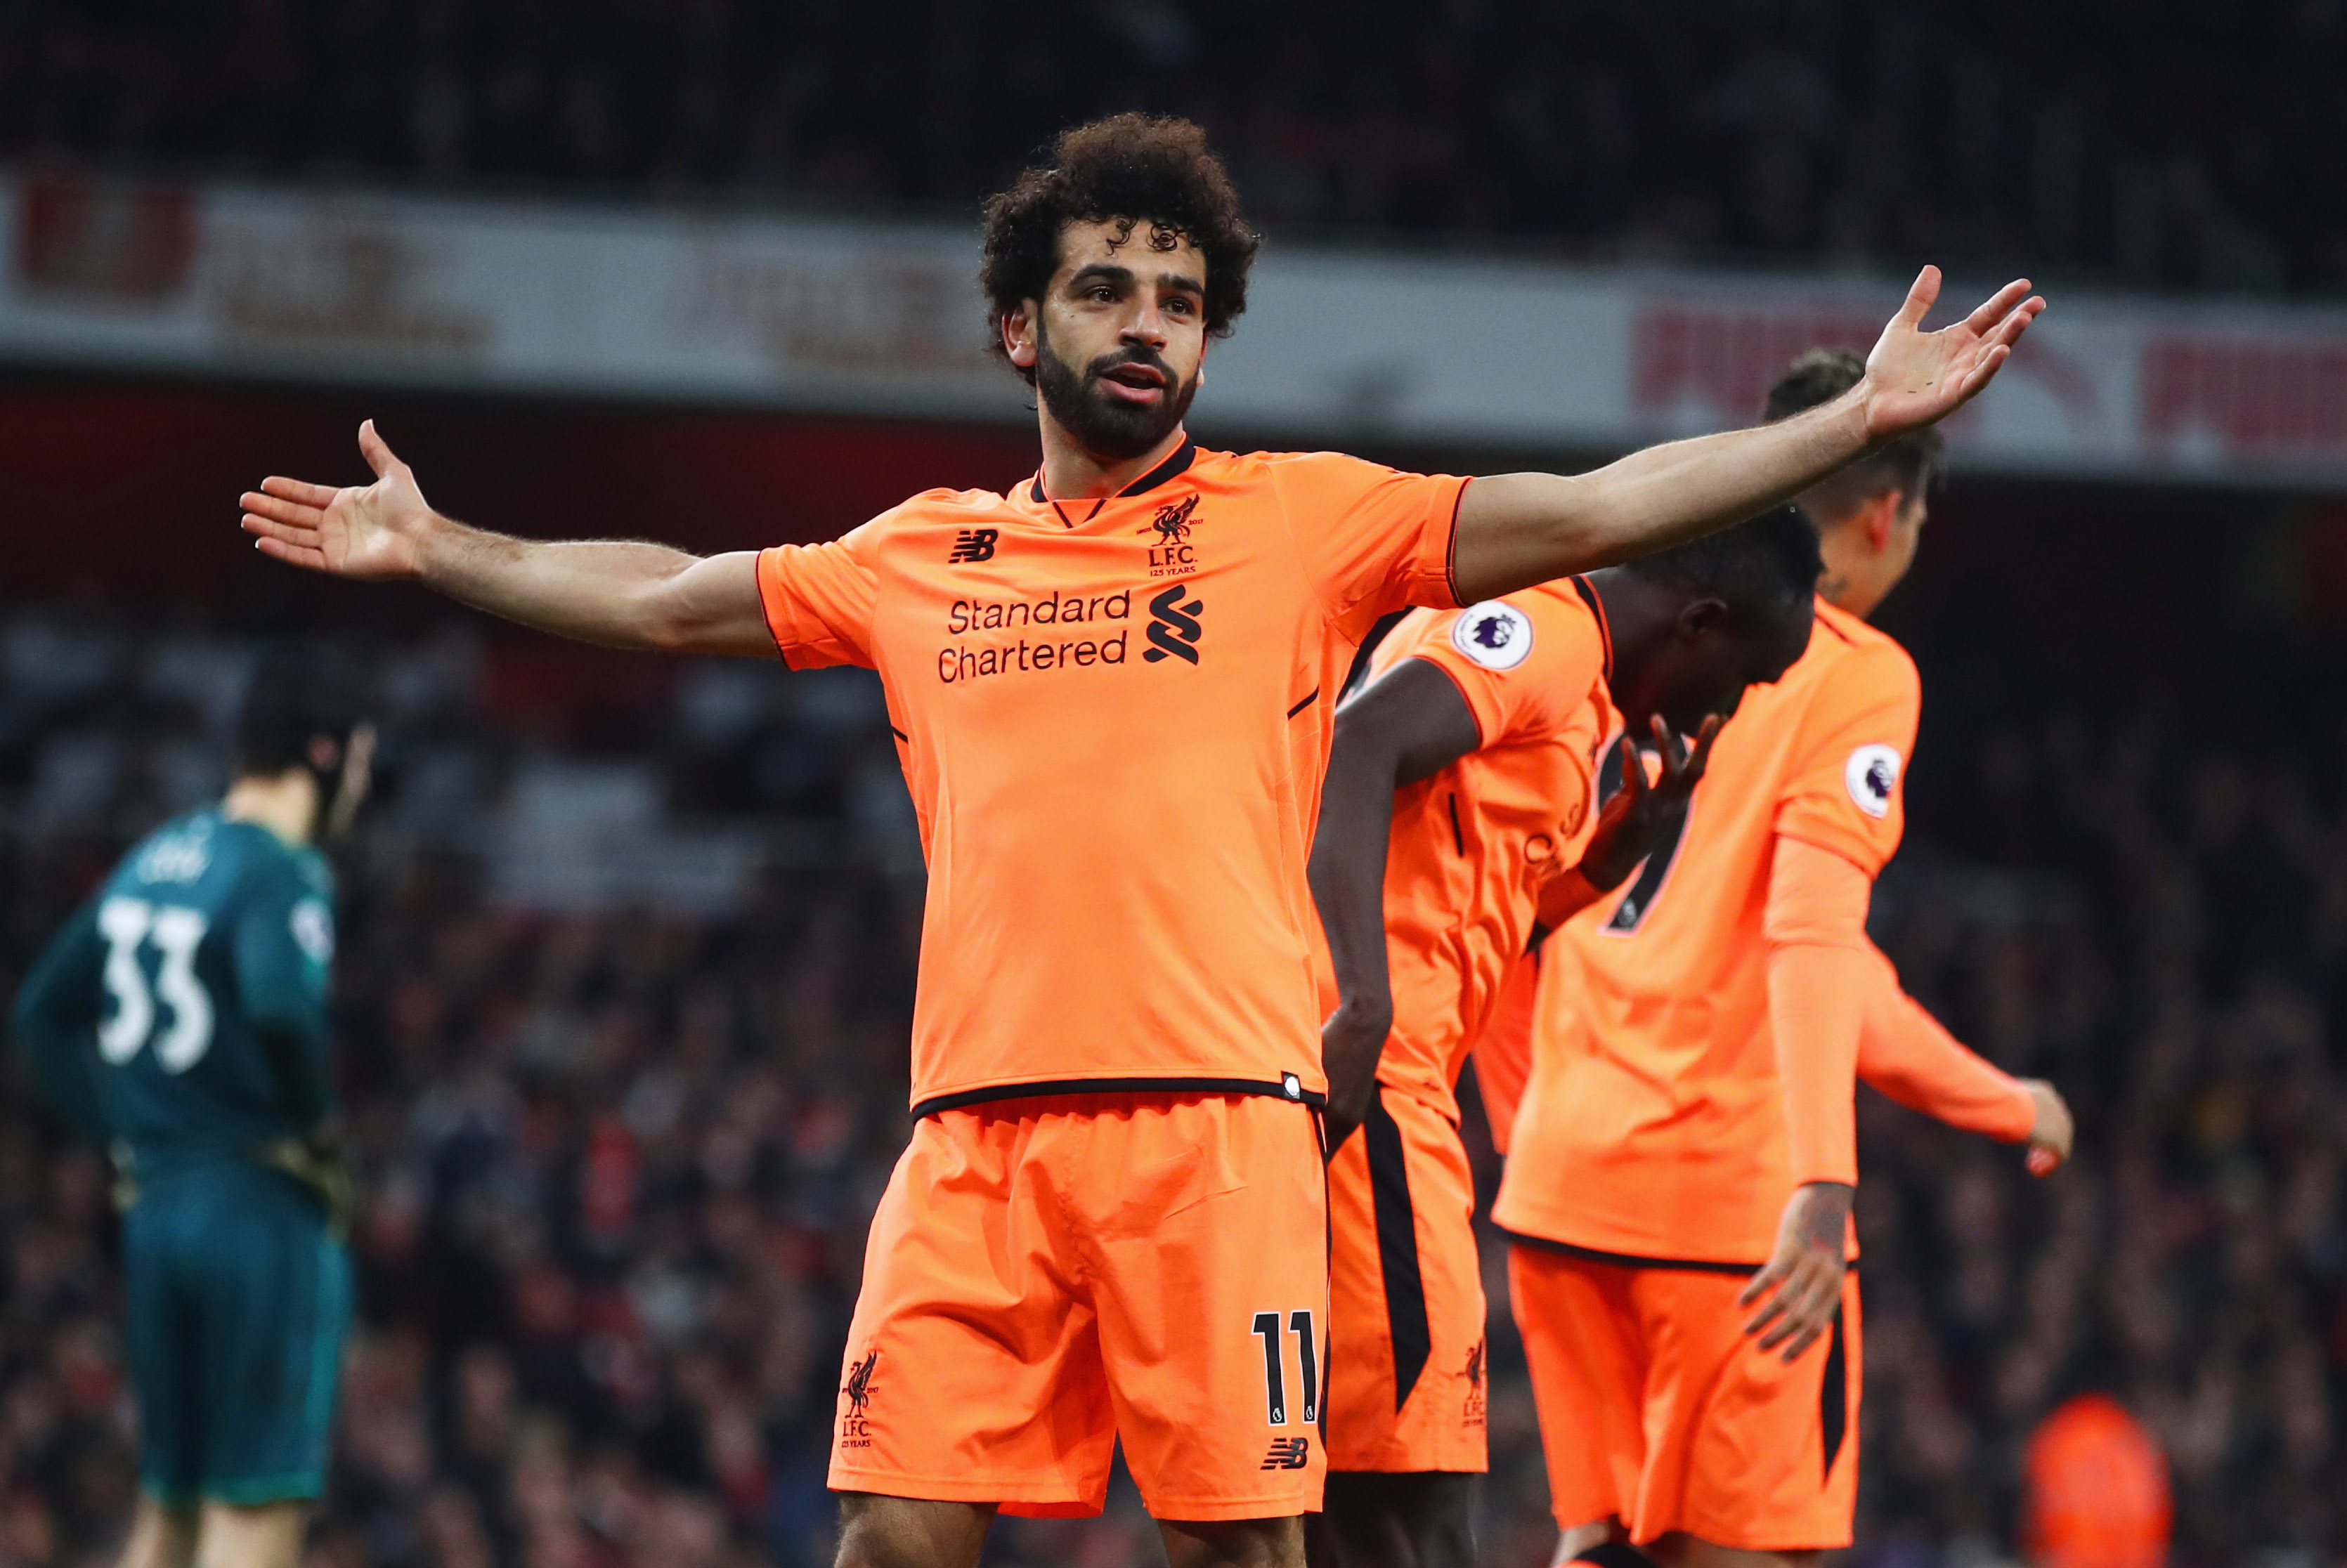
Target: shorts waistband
[[1289, 1088], [1632, 1260]]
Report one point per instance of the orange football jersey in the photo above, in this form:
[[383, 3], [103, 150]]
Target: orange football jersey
[[1653, 1125], [1114, 716], [1472, 843]]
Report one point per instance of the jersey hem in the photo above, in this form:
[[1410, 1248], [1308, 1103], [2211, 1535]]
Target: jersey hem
[[1638, 1260], [1296, 1094]]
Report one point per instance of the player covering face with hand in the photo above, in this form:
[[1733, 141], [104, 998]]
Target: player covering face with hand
[[1460, 792], [1111, 689], [180, 1019], [1681, 1167]]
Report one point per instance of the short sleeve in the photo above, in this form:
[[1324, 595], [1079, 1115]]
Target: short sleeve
[[1375, 539], [1524, 663], [819, 600], [1847, 788]]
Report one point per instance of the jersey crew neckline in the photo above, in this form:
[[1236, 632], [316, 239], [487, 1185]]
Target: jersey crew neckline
[[1114, 734]]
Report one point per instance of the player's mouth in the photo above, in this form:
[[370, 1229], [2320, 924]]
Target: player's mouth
[[1135, 383]]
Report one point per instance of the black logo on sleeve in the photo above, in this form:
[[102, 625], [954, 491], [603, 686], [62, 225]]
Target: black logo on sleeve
[[854, 1427], [973, 545], [1174, 626]]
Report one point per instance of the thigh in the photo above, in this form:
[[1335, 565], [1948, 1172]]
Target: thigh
[[1405, 1296], [163, 1351], [1588, 1360], [1203, 1221], [1745, 1451], [1394, 1520], [972, 1368], [901, 1532], [271, 1301]]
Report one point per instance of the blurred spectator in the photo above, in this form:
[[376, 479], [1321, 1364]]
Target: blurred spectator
[[2097, 1490], [2159, 144]]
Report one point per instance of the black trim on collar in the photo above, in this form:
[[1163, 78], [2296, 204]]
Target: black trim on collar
[[1178, 463]]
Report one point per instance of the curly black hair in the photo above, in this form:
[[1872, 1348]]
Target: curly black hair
[[1912, 465], [1142, 170]]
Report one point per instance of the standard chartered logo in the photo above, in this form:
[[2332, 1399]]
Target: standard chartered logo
[[1174, 626], [1074, 630]]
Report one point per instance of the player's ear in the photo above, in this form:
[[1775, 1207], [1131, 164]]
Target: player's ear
[[1882, 520], [1019, 333], [1700, 617]]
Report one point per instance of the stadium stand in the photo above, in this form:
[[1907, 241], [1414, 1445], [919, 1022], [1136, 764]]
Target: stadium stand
[[2172, 145]]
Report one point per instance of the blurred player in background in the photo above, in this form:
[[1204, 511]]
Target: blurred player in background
[[180, 1018], [1111, 690], [1681, 1170], [1461, 781]]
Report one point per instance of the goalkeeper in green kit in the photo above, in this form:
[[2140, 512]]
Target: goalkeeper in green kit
[[180, 1019]]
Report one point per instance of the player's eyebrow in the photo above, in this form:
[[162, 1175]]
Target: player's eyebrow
[[1122, 277]]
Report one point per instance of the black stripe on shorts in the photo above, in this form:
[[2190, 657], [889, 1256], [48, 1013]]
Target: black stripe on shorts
[[1406, 1324]]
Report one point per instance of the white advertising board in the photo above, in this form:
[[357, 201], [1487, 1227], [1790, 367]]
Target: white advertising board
[[883, 319]]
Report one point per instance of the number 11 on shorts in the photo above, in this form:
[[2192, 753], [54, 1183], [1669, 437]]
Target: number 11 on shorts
[[1275, 1366]]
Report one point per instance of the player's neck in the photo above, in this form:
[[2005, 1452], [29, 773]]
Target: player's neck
[[286, 804], [1072, 474]]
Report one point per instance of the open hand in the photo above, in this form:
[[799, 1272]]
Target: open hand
[[1915, 378], [373, 531], [1642, 818], [2050, 1139], [1802, 1283]]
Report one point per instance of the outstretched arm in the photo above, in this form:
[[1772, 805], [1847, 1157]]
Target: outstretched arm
[[1905, 1052], [1516, 530], [1409, 723], [618, 593]]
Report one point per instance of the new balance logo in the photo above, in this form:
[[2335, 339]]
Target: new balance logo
[[973, 545], [1174, 626], [1288, 1453]]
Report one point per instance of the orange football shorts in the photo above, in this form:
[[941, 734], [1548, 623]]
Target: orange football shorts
[[1047, 1274], [1656, 1409], [1405, 1296]]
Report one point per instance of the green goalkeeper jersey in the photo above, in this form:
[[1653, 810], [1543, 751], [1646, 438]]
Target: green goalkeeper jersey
[[181, 1013]]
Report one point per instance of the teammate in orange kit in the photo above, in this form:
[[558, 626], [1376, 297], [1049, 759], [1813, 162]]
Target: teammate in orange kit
[[1681, 1169], [1461, 781], [1111, 689]]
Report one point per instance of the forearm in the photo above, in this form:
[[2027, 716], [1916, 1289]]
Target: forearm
[[1815, 926], [1348, 874], [52, 1052], [1564, 896], [1903, 1051], [1516, 530], [618, 593]]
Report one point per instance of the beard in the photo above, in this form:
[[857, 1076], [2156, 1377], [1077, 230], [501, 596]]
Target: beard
[[1104, 427]]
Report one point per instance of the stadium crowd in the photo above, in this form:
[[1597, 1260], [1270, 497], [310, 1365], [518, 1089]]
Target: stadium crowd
[[620, 1147], [2172, 144]]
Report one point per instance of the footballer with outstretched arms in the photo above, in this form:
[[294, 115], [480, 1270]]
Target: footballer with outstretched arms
[[1460, 782], [1111, 688], [1681, 1167], [180, 1019]]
